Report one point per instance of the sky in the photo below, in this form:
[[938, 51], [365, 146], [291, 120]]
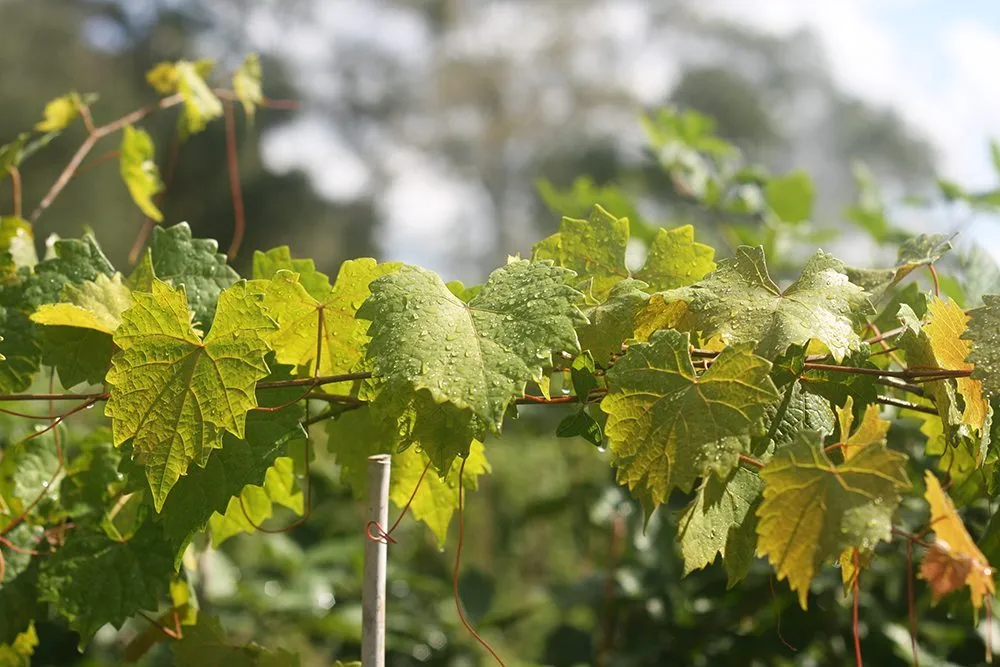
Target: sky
[[933, 61]]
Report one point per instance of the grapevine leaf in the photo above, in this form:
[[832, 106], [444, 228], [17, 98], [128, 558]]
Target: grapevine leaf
[[984, 334], [175, 393], [720, 520], [204, 645], [676, 260], [62, 111], [665, 424], [442, 430], [913, 253], [791, 196], [19, 603], [18, 241], [740, 303], [476, 356], [76, 338], [246, 84], [74, 261], [814, 509], [93, 304], [26, 470], [23, 538], [436, 498], [595, 250], [267, 264], [93, 580], [871, 431], [200, 103], [91, 476], [580, 423], [358, 434], [255, 504], [196, 264], [18, 653], [945, 331], [208, 490], [954, 560], [612, 322], [139, 170], [300, 315]]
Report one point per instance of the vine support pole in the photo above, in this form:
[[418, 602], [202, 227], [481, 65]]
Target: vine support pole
[[376, 551]]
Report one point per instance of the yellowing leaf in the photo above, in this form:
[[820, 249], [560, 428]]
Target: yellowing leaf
[[871, 431], [945, 329], [666, 426], [954, 560], [163, 78], [255, 504], [741, 303], [246, 84], [139, 171], [18, 653], [172, 392], [305, 322], [60, 112], [813, 509], [436, 498], [595, 249], [96, 304], [200, 103]]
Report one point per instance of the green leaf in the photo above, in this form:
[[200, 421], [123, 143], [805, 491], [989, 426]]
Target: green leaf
[[267, 264], [476, 356], [813, 509], [205, 645], [913, 253], [246, 84], [721, 520], [19, 603], [93, 580], [595, 250], [791, 196], [581, 424], [26, 470], [612, 322], [984, 333], [73, 261], [676, 260], [740, 303], [300, 316], [173, 392], [653, 389], [196, 264], [92, 478], [136, 159], [206, 491]]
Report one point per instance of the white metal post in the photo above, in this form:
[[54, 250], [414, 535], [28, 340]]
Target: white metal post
[[373, 590]]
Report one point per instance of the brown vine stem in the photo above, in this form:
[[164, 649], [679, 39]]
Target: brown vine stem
[[749, 460], [900, 403], [914, 374], [95, 135], [15, 189], [235, 191]]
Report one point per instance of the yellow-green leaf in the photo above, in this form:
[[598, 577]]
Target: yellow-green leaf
[[175, 393], [666, 425], [200, 103], [139, 171], [96, 304], [60, 112], [246, 84], [813, 509]]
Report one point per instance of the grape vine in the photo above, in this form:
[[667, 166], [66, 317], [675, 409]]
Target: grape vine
[[769, 406]]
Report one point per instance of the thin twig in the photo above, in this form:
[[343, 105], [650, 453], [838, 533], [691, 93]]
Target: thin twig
[[15, 188], [896, 383], [235, 191], [900, 403], [751, 461], [88, 144]]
